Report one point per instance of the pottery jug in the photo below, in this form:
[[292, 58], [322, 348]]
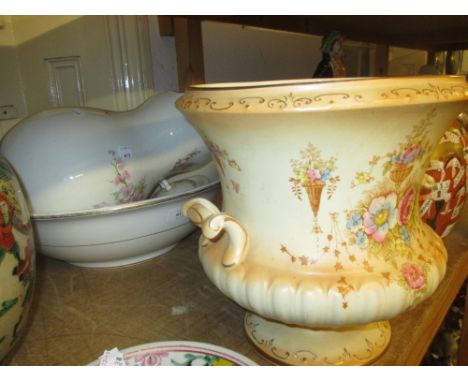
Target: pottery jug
[[320, 237], [17, 259], [444, 187], [75, 159]]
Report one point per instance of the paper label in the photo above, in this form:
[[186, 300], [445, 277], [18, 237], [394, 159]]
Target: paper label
[[176, 215], [112, 358], [125, 152]]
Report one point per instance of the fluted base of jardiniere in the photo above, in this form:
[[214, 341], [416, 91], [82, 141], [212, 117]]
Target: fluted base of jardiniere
[[299, 346], [292, 304]]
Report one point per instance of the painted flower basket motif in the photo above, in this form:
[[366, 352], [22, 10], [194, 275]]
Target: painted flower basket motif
[[400, 172], [314, 192], [399, 163], [312, 174]]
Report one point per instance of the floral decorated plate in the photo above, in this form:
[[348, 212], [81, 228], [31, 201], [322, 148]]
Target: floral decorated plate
[[176, 353]]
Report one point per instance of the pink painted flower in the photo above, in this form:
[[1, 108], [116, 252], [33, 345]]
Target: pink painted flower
[[313, 174], [381, 216], [149, 359], [410, 154], [117, 179], [126, 175], [405, 206], [126, 191], [137, 195], [25, 265], [413, 275]]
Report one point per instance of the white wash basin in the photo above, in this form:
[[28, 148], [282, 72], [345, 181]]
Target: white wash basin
[[127, 233]]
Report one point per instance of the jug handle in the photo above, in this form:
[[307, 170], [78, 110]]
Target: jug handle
[[207, 216]]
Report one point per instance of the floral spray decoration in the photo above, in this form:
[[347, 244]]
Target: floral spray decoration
[[383, 223], [127, 191], [382, 226]]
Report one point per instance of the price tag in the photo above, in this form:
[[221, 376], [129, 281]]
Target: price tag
[[125, 152], [112, 358], [175, 215]]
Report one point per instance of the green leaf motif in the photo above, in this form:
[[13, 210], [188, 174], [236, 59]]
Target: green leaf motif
[[7, 305], [189, 358], [387, 167]]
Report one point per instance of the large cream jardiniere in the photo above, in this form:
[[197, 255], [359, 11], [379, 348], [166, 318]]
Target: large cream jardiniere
[[320, 236]]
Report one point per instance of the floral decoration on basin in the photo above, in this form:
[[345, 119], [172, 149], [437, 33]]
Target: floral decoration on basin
[[127, 191], [185, 162]]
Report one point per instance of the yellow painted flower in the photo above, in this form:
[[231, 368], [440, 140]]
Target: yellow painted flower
[[222, 362], [363, 177]]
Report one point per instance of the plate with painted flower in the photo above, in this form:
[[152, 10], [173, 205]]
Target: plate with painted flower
[[181, 353]]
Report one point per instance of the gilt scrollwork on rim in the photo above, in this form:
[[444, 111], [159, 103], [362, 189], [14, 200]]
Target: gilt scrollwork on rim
[[431, 90], [288, 101], [332, 97], [198, 103], [248, 102], [285, 102]]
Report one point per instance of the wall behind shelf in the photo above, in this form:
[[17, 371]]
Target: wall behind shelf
[[239, 53]]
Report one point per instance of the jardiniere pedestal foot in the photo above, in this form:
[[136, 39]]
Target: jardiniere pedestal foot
[[295, 345]]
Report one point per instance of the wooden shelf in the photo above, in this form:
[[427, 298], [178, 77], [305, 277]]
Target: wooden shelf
[[426, 32], [78, 313], [431, 33]]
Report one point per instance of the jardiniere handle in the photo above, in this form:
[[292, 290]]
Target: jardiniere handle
[[207, 216]]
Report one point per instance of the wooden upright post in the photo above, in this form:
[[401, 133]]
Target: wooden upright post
[[381, 60], [189, 48], [166, 25]]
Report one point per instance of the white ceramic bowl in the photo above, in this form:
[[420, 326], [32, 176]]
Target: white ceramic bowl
[[128, 233], [74, 159]]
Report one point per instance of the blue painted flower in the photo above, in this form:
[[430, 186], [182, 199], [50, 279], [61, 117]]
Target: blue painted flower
[[354, 223], [325, 175], [361, 239], [405, 235], [395, 159], [410, 154]]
